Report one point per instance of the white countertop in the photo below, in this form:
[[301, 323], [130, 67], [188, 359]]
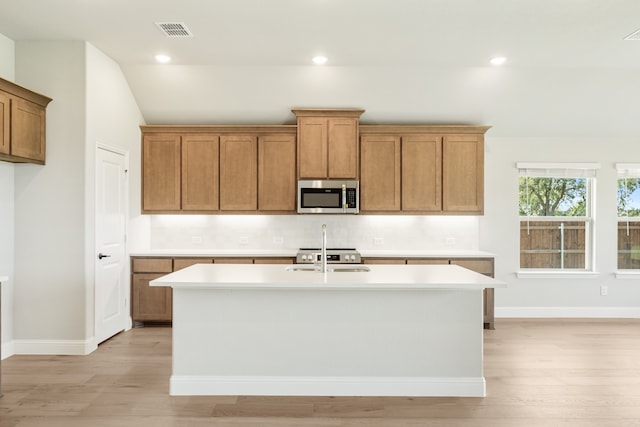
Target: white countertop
[[380, 277], [258, 253]]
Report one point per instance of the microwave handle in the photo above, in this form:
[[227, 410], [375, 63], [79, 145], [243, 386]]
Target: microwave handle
[[344, 198]]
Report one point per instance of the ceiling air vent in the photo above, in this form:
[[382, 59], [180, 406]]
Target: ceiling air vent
[[174, 29], [633, 36]]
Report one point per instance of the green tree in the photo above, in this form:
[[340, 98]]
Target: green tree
[[629, 197], [553, 196]]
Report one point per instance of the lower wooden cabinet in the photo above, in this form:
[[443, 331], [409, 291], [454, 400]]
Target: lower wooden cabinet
[[151, 304], [479, 265]]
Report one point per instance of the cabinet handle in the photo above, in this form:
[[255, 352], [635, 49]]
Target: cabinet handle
[[101, 255]]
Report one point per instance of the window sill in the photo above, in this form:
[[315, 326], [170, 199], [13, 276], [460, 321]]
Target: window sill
[[627, 274], [553, 274]]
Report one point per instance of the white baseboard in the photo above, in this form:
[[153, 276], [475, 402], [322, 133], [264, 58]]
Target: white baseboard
[[7, 350], [184, 385], [569, 312], [55, 347]]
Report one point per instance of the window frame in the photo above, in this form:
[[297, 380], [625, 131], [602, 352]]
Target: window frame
[[587, 171], [625, 170]]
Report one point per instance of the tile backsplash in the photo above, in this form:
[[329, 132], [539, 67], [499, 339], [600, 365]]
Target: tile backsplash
[[371, 232]]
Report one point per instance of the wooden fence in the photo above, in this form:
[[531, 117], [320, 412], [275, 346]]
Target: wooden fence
[[552, 244], [561, 244]]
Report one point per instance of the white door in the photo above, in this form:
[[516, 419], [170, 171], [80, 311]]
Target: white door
[[111, 314]]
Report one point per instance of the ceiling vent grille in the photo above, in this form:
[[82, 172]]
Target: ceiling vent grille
[[174, 29], [633, 36]]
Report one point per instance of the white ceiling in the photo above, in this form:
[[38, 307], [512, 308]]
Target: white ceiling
[[414, 35]]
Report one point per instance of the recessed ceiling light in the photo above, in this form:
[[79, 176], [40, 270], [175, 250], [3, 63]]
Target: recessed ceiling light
[[163, 59], [319, 60], [498, 60]]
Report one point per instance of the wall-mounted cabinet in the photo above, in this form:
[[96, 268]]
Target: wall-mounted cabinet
[[327, 143], [404, 169], [422, 169], [22, 124], [218, 169]]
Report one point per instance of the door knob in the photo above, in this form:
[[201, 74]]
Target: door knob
[[101, 255]]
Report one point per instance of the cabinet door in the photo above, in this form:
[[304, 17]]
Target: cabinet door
[[384, 261], [161, 173], [463, 173], [5, 124], [343, 148], [150, 303], [277, 173], [200, 173], [380, 173], [27, 130], [422, 173], [238, 173], [312, 147]]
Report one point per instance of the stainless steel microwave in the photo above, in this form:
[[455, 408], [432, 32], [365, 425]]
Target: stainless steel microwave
[[328, 196]]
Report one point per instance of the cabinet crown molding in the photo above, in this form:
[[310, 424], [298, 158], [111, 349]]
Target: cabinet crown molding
[[24, 93], [327, 112]]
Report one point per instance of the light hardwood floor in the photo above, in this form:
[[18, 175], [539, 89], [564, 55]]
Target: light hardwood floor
[[552, 372]]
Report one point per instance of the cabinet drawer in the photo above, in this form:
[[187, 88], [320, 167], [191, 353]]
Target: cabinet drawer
[[274, 261], [384, 261], [152, 265], [428, 261], [180, 263], [233, 260], [482, 266]]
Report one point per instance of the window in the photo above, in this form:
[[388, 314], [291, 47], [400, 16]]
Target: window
[[628, 216], [556, 215]]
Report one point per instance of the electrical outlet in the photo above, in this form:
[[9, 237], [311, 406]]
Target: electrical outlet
[[378, 241], [278, 240], [196, 239], [450, 241], [604, 291], [243, 240]]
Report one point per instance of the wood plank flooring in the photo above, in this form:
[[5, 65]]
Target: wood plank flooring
[[551, 372]]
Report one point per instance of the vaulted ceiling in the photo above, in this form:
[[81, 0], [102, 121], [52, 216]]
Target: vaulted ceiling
[[251, 58]]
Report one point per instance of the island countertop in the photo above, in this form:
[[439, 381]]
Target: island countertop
[[380, 277]]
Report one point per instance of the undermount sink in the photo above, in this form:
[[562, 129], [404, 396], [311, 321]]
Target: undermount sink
[[335, 269]]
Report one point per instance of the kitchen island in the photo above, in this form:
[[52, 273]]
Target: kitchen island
[[396, 330]]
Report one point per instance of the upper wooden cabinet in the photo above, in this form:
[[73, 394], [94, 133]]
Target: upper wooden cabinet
[[22, 124], [463, 174], [380, 173], [327, 143], [422, 172], [218, 169], [404, 169], [161, 173], [433, 171], [277, 173], [200, 175], [238, 173]]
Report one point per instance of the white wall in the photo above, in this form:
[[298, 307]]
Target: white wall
[[499, 229], [54, 253], [50, 203], [113, 119], [7, 72]]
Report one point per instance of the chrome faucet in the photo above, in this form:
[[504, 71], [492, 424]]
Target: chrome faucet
[[323, 253]]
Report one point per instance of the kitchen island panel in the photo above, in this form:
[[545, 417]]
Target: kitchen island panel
[[319, 342]]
